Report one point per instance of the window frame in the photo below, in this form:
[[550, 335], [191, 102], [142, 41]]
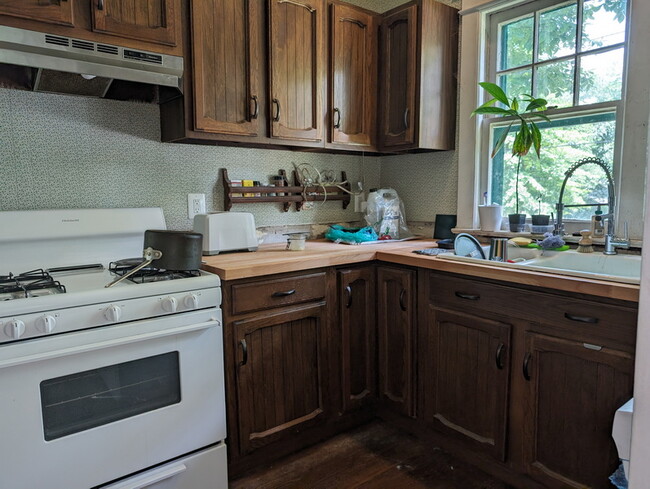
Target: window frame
[[490, 59]]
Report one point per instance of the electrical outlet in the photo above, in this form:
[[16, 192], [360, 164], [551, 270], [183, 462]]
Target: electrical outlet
[[195, 205]]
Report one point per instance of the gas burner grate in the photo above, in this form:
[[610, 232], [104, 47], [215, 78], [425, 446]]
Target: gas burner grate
[[27, 284], [150, 273]]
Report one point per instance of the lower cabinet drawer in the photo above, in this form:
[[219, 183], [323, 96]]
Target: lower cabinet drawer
[[266, 294]]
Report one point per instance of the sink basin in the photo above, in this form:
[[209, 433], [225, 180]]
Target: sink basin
[[615, 268]]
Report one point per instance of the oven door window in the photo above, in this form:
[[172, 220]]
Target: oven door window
[[85, 400]]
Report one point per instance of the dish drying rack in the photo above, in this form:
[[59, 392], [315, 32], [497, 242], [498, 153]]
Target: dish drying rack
[[297, 193]]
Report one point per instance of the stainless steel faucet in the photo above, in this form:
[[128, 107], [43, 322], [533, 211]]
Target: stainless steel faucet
[[611, 241]]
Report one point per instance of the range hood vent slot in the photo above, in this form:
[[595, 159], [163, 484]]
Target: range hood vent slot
[[104, 48], [59, 41], [88, 46]]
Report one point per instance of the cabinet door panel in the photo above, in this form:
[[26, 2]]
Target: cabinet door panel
[[358, 337], [353, 76], [576, 391], [51, 12], [226, 66], [146, 20], [396, 324], [465, 378], [296, 69], [399, 71], [280, 377]]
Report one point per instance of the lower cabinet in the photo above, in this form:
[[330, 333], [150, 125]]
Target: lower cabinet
[[575, 388], [358, 337], [465, 377], [396, 315]]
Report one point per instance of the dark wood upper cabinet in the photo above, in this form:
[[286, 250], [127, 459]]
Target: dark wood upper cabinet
[[296, 69], [145, 20], [396, 334], [226, 66], [358, 359], [51, 12], [418, 64], [465, 365], [352, 106], [575, 388]]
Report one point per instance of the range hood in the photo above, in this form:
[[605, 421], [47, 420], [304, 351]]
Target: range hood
[[53, 63]]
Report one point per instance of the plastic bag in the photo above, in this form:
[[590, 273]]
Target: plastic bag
[[385, 213], [339, 234]]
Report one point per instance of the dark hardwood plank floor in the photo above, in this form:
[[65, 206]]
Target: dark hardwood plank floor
[[374, 456]]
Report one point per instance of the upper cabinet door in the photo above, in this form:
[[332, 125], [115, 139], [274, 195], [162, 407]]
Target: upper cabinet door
[[226, 65], [52, 12], [296, 69], [146, 20], [399, 71], [353, 77]]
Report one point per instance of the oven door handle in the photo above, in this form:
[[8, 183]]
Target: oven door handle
[[17, 358], [148, 479]]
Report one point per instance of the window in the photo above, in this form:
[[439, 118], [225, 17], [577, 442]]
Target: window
[[572, 54]]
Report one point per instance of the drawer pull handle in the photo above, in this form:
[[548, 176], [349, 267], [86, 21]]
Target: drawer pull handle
[[580, 319], [100, 5], [499, 356], [284, 293], [256, 110], [589, 346], [402, 304], [468, 297], [526, 370], [244, 350], [348, 293]]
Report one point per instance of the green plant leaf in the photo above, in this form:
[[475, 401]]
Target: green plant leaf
[[492, 110], [496, 92], [515, 104], [538, 103], [501, 140], [537, 138]]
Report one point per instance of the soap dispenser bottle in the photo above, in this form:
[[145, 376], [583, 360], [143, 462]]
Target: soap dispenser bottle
[[597, 225]]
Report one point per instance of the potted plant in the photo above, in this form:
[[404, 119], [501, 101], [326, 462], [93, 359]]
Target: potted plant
[[527, 135]]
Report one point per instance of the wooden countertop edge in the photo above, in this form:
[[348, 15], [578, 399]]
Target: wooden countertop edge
[[274, 259]]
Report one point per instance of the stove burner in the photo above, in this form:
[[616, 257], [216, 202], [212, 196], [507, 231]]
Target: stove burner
[[34, 283], [149, 273]]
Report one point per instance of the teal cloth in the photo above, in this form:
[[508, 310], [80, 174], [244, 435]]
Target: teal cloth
[[351, 235]]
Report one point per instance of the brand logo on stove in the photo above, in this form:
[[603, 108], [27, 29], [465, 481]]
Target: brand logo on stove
[[70, 220]]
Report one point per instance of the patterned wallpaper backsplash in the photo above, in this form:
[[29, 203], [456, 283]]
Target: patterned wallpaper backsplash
[[59, 151]]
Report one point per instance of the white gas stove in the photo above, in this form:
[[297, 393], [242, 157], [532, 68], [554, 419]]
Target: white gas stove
[[95, 374]]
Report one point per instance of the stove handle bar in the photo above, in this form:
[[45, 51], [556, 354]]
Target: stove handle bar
[[148, 479], [17, 358]]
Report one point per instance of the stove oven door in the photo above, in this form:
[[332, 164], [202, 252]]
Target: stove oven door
[[85, 408]]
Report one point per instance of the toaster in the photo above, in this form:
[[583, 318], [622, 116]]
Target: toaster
[[226, 231]]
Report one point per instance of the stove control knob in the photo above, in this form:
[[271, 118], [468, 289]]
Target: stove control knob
[[46, 324], [169, 304], [192, 301], [15, 329], [113, 313]]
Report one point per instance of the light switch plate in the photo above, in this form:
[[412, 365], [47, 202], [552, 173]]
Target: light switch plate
[[195, 205]]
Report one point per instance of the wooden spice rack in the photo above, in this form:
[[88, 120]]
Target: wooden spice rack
[[296, 193]]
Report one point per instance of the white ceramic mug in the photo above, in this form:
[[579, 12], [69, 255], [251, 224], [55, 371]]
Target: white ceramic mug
[[490, 217]]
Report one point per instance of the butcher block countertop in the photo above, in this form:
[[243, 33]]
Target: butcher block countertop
[[274, 258]]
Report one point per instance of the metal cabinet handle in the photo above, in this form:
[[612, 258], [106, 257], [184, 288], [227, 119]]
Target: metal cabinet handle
[[467, 297], [244, 349], [100, 4], [580, 319], [402, 304], [276, 102], [499, 356], [348, 292], [337, 124], [256, 110], [406, 118], [284, 293], [525, 370]]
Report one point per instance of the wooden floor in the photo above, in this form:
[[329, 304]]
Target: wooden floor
[[374, 456]]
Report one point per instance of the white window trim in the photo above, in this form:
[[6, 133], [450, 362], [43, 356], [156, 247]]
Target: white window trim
[[636, 113]]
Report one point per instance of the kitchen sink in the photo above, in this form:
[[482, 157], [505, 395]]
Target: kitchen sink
[[615, 268]]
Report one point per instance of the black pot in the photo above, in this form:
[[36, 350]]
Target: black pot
[[181, 250], [517, 222], [540, 219]]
